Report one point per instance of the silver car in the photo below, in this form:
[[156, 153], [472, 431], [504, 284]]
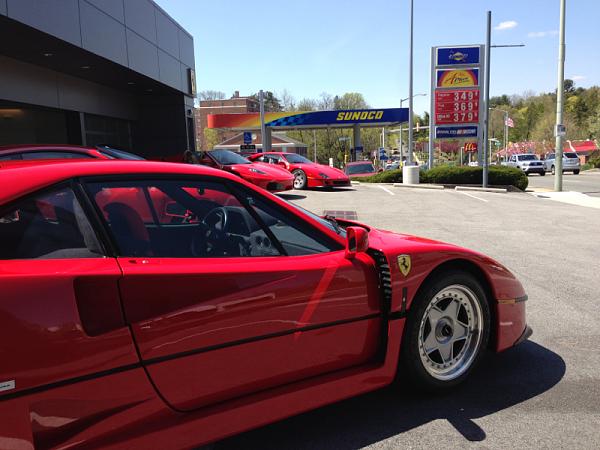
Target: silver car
[[528, 163], [570, 163]]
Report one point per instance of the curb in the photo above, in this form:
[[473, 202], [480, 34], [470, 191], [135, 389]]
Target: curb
[[419, 186], [355, 183], [480, 189]]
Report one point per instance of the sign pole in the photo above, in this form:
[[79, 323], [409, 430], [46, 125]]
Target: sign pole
[[263, 128], [560, 92], [431, 110], [486, 101]]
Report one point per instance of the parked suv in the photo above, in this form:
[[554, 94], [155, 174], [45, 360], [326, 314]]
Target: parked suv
[[528, 163], [570, 163]]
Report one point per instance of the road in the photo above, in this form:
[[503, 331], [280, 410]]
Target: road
[[587, 182], [542, 394]]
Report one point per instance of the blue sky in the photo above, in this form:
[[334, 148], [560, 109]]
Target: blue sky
[[337, 46]]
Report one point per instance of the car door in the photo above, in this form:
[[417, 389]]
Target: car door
[[60, 312], [239, 297]]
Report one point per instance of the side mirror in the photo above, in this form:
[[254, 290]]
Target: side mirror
[[281, 163], [357, 241]]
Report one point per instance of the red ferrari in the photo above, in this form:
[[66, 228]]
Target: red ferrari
[[307, 174], [62, 151], [271, 178], [222, 309]]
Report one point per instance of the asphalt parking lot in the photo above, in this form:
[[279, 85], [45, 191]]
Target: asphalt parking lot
[[542, 394], [587, 182]]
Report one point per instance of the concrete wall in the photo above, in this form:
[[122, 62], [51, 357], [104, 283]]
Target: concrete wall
[[27, 83], [133, 33]]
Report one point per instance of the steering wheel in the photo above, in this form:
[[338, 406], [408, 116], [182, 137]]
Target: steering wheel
[[211, 236]]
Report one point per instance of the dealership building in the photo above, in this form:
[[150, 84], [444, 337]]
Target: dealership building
[[116, 72]]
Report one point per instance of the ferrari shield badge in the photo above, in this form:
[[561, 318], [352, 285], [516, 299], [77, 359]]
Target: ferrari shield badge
[[404, 264]]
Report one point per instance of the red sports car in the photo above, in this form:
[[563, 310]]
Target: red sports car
[[62, 151], [122, 331], [360, 169], [266, 176], [307, 174]]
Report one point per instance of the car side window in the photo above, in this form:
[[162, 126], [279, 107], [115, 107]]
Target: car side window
[[295, 236], [55, 154], [11, 157], [179, 219], [50, 225]]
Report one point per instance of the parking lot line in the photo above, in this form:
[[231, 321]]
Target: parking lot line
[[471, 195], [386, 190]]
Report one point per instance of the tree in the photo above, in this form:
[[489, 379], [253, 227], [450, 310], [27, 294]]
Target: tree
[[350, 100], [288, 101], [272, 103], [211, 95], [211, 138]]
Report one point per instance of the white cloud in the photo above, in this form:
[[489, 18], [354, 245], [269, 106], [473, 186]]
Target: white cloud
[[507, 25], [578, 77], [541, 34]]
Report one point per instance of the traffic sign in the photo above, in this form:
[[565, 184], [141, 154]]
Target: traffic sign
[[383, 157], [358, 149], [247, 137], [456, 132]]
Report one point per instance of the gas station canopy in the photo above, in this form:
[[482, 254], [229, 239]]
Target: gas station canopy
[[311, 119]]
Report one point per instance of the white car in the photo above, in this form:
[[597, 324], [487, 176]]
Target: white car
[[570, 163], [528, 163]]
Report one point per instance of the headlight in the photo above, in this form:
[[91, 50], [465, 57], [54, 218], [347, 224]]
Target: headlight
[[322, 175], [260, 172]]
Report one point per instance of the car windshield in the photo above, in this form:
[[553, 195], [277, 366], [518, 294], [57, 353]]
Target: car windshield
[[527, 158], [297, 159], [227, 157], [360, 168], [114, 153], [329, 224], [570, 155]]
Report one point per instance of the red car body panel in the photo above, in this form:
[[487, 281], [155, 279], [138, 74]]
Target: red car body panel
[[314, 171], [272, 178], [117, 352]]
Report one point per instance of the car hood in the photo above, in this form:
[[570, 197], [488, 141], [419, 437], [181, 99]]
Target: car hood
[[316, 169], [270, 171]]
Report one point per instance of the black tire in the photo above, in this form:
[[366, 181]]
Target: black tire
[[411, 364], [300, 179], [553, 170], [543, 174], [576, 172]]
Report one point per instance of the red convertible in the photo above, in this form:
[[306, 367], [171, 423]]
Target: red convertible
[[222, 309], [307, 174]]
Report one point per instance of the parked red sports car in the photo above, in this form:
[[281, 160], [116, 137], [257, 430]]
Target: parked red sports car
[[226, 308], [306, 173], [271, 178], [360, 169], [62, 151]]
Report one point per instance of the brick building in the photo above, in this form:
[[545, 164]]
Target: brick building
[[235, 104]]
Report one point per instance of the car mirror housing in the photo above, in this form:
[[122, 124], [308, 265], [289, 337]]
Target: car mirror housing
[[357, 241]]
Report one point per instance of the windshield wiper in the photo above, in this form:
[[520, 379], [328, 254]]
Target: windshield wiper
[[333, 222]]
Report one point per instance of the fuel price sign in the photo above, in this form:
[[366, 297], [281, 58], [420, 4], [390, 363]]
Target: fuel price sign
[[457, 106]]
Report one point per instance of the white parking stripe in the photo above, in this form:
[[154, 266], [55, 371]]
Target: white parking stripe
[[386, 190], [472, 196]]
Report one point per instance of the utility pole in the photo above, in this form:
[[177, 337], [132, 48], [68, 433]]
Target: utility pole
[[486, 113], [263, 128], [560, 92], [315, 144], [410, 91]]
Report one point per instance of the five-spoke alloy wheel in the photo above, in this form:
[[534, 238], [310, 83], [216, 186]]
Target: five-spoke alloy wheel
[[446, 331]]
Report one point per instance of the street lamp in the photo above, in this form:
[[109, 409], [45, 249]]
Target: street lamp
[[410, 114]]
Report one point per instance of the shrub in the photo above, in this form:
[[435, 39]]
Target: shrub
[[497, 175], [595, 162]]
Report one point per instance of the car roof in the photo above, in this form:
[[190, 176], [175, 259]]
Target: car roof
[[19, 178], [25, 147]]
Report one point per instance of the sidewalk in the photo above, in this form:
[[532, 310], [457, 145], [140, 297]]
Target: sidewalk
[[573, 198]]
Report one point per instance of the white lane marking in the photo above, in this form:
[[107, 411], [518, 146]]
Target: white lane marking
[[472, 196], [386, 190]]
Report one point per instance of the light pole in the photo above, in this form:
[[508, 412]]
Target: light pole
[[560, 92], [410, 91], [263, 128], [409, 123]]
